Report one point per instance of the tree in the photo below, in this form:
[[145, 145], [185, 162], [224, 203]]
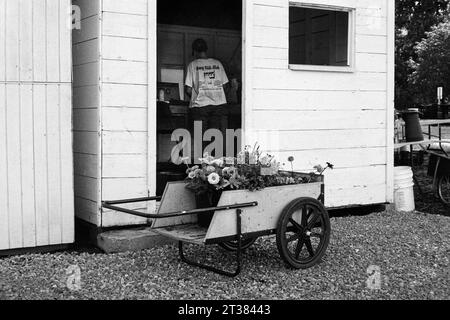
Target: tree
[[432, 67], [413, 19]]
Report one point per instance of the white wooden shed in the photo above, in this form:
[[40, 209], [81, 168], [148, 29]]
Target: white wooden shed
[[318, 75], [36, 168]]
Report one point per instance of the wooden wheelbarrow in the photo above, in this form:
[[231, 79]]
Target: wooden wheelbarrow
[[294, 213]]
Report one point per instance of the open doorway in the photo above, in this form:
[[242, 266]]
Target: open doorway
[[179, 24]]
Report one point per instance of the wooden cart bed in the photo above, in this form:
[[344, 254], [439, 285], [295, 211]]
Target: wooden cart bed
[[261, 219]]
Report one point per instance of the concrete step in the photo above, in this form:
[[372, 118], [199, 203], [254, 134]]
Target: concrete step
[[130, 240]]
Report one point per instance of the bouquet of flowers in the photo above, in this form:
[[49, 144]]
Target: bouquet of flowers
[[250, 170]]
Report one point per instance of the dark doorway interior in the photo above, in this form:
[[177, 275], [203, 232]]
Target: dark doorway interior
[[214, 14], [219, 23]]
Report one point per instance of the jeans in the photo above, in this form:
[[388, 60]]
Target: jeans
[[212, 117]]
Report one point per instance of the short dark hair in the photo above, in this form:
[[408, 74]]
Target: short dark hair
[[200, 45]]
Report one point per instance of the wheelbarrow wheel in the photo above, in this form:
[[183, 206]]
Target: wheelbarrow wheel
[[232, 246], [303, 233], [444, 189]]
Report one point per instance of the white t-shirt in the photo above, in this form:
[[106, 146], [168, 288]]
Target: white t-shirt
[[206, 77]]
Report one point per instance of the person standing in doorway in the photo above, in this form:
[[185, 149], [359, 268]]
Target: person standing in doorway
[[206, 83]]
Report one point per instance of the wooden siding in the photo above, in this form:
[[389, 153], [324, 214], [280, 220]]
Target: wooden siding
[[124, 106], [315, 116], [128, 119], [320, 117], [36, 172], [86, 111]]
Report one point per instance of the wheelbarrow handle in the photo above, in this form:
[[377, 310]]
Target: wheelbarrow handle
[[112, 205], [134, 200]]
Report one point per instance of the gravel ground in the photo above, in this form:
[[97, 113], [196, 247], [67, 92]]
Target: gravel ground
[[412, 252]]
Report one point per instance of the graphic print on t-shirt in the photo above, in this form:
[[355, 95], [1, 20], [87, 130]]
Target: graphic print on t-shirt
[[206, 77]]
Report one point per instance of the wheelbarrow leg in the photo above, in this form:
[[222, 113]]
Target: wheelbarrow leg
[[213, 269]]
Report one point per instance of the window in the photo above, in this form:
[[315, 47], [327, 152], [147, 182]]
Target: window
[[319, 37]]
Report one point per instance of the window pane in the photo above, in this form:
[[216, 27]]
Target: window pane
[[318, 37]]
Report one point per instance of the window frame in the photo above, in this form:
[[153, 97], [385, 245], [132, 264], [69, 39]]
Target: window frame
[[351, 39]]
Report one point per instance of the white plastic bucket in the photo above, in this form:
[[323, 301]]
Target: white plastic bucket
[[404, 189]]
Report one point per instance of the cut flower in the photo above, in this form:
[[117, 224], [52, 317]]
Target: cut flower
[[214, 179], [250, 170]]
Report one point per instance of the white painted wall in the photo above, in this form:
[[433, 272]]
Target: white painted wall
[[340, 117], [321, 116], [36, 171], [124, 106], [110, 108], [86, 112]]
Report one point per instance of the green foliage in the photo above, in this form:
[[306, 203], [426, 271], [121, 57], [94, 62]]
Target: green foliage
[[432, 68], [414, 18]]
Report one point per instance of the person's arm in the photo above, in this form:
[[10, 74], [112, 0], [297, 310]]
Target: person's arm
[[225, 81], [189, 92], [189, 83]]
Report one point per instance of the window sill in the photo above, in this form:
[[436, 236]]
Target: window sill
[[304, 67]]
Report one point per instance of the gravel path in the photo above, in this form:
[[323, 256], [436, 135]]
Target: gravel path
[[412, 252]]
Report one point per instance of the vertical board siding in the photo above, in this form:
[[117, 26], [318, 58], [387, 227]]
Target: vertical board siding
[[303, 104], [36, 188], [65, 47], [66, 158], [36, 41], [39, 41], [12, 15], [3, 40], [54, 163], [4, 217], [40, 160], [53, 40], [27, 166], [26, 40], [86, 112], [37, 171], [14, 174]]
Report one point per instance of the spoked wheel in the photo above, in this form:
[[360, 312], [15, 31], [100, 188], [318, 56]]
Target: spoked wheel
[[233, 245], [444, 189], [303, 233]]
